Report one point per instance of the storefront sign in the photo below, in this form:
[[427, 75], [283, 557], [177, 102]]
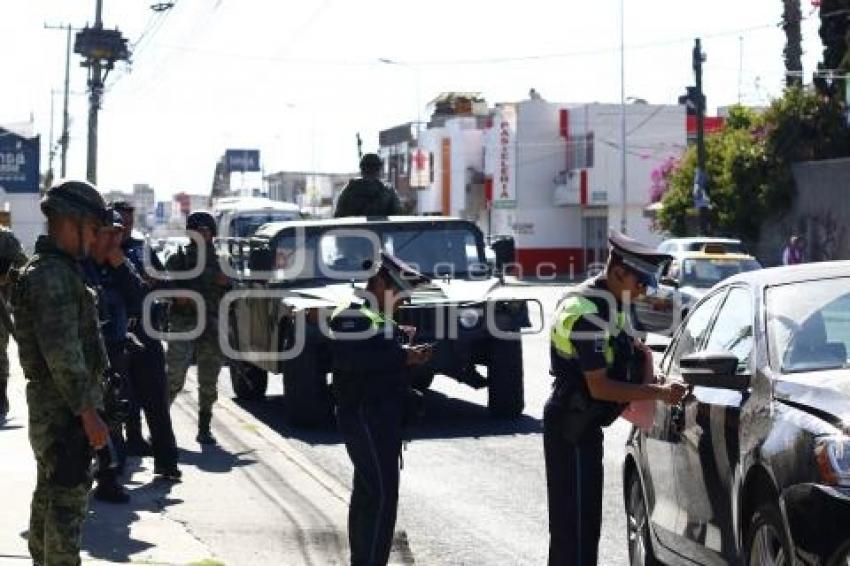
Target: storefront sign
[[18, 163], [504, 193]]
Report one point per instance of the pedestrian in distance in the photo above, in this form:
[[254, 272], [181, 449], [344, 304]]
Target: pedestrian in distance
[[63, 357], [12, 257], [212, 284], [794, 251], [368, 195], [371, 382], [599, 367], [118, 287], [146, 371]]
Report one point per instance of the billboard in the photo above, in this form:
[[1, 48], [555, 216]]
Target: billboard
[[242, 160], [19, 160]]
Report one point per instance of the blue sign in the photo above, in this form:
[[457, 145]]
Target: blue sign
[[242, 160], [700, 181], [19, 158]]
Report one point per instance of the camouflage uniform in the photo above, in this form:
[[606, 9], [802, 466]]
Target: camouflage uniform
[[63, 357], [11, 256], [367, 197], [183, 318]]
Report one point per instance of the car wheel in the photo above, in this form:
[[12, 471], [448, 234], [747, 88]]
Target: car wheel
[[249, 382], [504, 378], [637, 527], [306, 394], [767, 544]]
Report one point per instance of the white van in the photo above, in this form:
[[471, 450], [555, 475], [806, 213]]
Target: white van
[[239, 217]]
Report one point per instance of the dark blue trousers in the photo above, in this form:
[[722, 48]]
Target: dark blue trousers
[[146, 370], [574, 480], [372, 431]]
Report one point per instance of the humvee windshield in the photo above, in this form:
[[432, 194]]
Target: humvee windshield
[[339, 253]]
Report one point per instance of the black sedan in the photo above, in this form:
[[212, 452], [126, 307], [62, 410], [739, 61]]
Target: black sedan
[[754, 467]]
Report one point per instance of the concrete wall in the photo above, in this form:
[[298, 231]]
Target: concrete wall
[[820, 213]]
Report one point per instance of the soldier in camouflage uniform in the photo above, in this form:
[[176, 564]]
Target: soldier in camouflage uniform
[[63, 358], [368, 195], [11, 256], [211, 284]]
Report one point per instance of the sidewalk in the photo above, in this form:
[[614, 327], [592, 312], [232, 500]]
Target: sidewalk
[[253, 500], [157, 540]]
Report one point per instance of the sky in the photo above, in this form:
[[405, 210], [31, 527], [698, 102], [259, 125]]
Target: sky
[[299, 79]]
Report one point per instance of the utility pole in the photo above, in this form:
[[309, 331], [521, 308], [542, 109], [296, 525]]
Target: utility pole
[[700, 194], [65, 137], [623, 179], [95, 95], [100, 49]]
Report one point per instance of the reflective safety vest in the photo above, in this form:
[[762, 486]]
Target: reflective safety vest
[[570, 387], [569, 312], [376, 318]]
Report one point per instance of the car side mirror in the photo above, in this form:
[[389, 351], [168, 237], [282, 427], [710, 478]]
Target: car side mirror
[[718, 370], [669, 281]]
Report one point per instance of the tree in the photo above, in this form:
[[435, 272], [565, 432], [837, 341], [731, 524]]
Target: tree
[[749, 163], [791, 18], [834, 33]]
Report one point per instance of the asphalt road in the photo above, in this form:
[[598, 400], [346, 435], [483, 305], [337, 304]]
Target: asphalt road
[[473, 489]]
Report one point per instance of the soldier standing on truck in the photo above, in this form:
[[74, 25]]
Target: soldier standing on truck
[[211, 284], [371, 382], [368, 195]]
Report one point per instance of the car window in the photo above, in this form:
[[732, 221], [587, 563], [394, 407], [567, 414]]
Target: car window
[[707, 272], [733, 327], [692, 335], [808, 325]]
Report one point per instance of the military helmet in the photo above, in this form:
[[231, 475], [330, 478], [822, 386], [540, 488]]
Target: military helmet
[[79, 198], [201, 219], [371, 162]]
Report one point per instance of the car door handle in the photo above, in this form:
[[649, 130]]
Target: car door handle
[[677, 418]]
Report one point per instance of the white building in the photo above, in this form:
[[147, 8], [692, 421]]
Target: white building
[[550, 175]]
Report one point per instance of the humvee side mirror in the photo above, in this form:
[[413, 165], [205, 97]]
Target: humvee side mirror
[[504, 248]]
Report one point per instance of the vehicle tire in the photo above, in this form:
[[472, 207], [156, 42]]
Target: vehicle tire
[[249, 381], [421, 379], [766, 540], [637, 526], [306, 394], [506, 397]]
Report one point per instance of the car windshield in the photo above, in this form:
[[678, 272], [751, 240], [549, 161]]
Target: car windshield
[[340, 252], [245, 224], [707, 272], [809, 325]]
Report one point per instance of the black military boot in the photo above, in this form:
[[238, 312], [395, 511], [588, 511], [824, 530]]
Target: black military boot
[[109, 490], [136, 445], [204, 434]]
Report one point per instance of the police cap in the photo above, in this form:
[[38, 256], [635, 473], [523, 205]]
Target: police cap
[[641, 259], [403, 276]]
